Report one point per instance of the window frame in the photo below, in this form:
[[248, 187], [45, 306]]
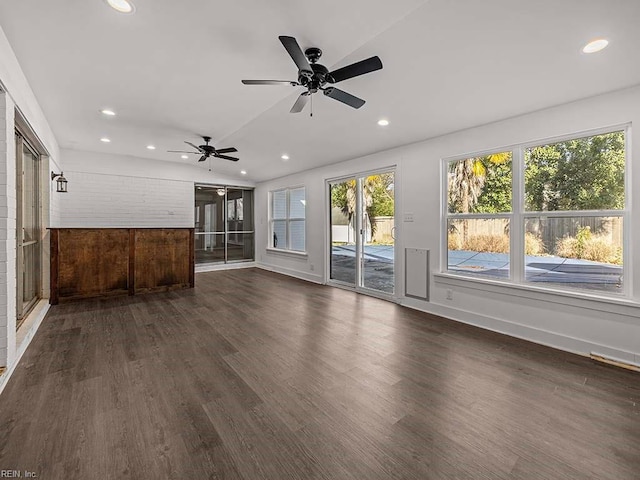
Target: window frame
[[518, 216], [288, 219]]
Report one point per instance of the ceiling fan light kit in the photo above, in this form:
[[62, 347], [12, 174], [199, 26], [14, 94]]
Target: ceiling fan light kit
[[314, 76]]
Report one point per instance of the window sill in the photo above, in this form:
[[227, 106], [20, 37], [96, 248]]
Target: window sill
[[292, 253], [580, 299]]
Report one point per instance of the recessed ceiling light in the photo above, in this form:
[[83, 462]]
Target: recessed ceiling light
[[151, 147], [383, 122], [105, 140], [122, 6], [108, 113], [595, 45], [184, 157], [243, 172], [285, 157]]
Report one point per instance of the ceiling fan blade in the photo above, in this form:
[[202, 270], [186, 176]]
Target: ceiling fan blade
[[194, 146], [182, 151], [355, 69], [270, 82], [233, 159], [226, 150], [344, 97], [291, 45], [202, 158], [300, 103]]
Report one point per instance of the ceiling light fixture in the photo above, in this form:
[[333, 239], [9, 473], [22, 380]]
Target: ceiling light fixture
[[595, 45], [285, 157], [243, 172], [220, 192], [184, 157], [383, 122], [105, 140], [108, 113], [122, 6], [151, 147]]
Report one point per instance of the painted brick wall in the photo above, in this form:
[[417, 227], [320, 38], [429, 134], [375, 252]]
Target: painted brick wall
[[54, 197], [7, 232], [103, 200]]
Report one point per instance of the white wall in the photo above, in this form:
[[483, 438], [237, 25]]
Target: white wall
[[312, 266], [7, 232], [55, 198], [22, 96], [18, 95], [122, 191], [568, 322]]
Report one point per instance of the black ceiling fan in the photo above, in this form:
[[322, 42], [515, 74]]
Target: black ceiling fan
[[207, 151], [314, 76]]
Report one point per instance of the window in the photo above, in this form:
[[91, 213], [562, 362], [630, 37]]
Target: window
[[550, 214], [479, 213], [287, 219], [234, 209]]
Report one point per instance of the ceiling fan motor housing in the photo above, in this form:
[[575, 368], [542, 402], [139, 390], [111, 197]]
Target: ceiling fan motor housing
[[207, 149], [313, 54], [319, 78]]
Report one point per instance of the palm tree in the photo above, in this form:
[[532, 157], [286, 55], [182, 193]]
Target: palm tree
[[348, 207], [466, 181]]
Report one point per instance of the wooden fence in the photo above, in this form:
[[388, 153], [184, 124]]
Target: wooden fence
[[549, 229]]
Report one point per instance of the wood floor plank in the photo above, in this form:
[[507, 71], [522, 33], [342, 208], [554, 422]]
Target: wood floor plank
[[255, 375]]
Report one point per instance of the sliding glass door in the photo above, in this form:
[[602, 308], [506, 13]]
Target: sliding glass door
[[239, 224], [344, 227], [29, 227], [223, 224], [362, 216]]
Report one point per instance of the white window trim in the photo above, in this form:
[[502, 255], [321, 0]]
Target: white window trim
[[575, 298], [293, 253], [288, 219], [518, 215]]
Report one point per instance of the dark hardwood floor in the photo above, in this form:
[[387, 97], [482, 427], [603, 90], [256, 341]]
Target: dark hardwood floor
[[257, 375]]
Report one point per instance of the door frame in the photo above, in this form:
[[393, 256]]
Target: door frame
[[22, 309], [397, 265]]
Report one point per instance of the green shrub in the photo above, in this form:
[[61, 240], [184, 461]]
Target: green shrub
[[587, 246], [479, 243], [454, 241], [488, 243], [533, 245]]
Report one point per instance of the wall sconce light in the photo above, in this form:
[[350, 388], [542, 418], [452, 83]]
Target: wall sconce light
[[61, 182], [221, 192]]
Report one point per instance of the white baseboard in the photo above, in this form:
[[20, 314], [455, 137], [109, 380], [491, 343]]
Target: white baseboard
[[310, 277], [214, 267], [25, 334], [524, 332], [618, 362]]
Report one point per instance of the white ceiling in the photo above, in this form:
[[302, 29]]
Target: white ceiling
[[172, 71]]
